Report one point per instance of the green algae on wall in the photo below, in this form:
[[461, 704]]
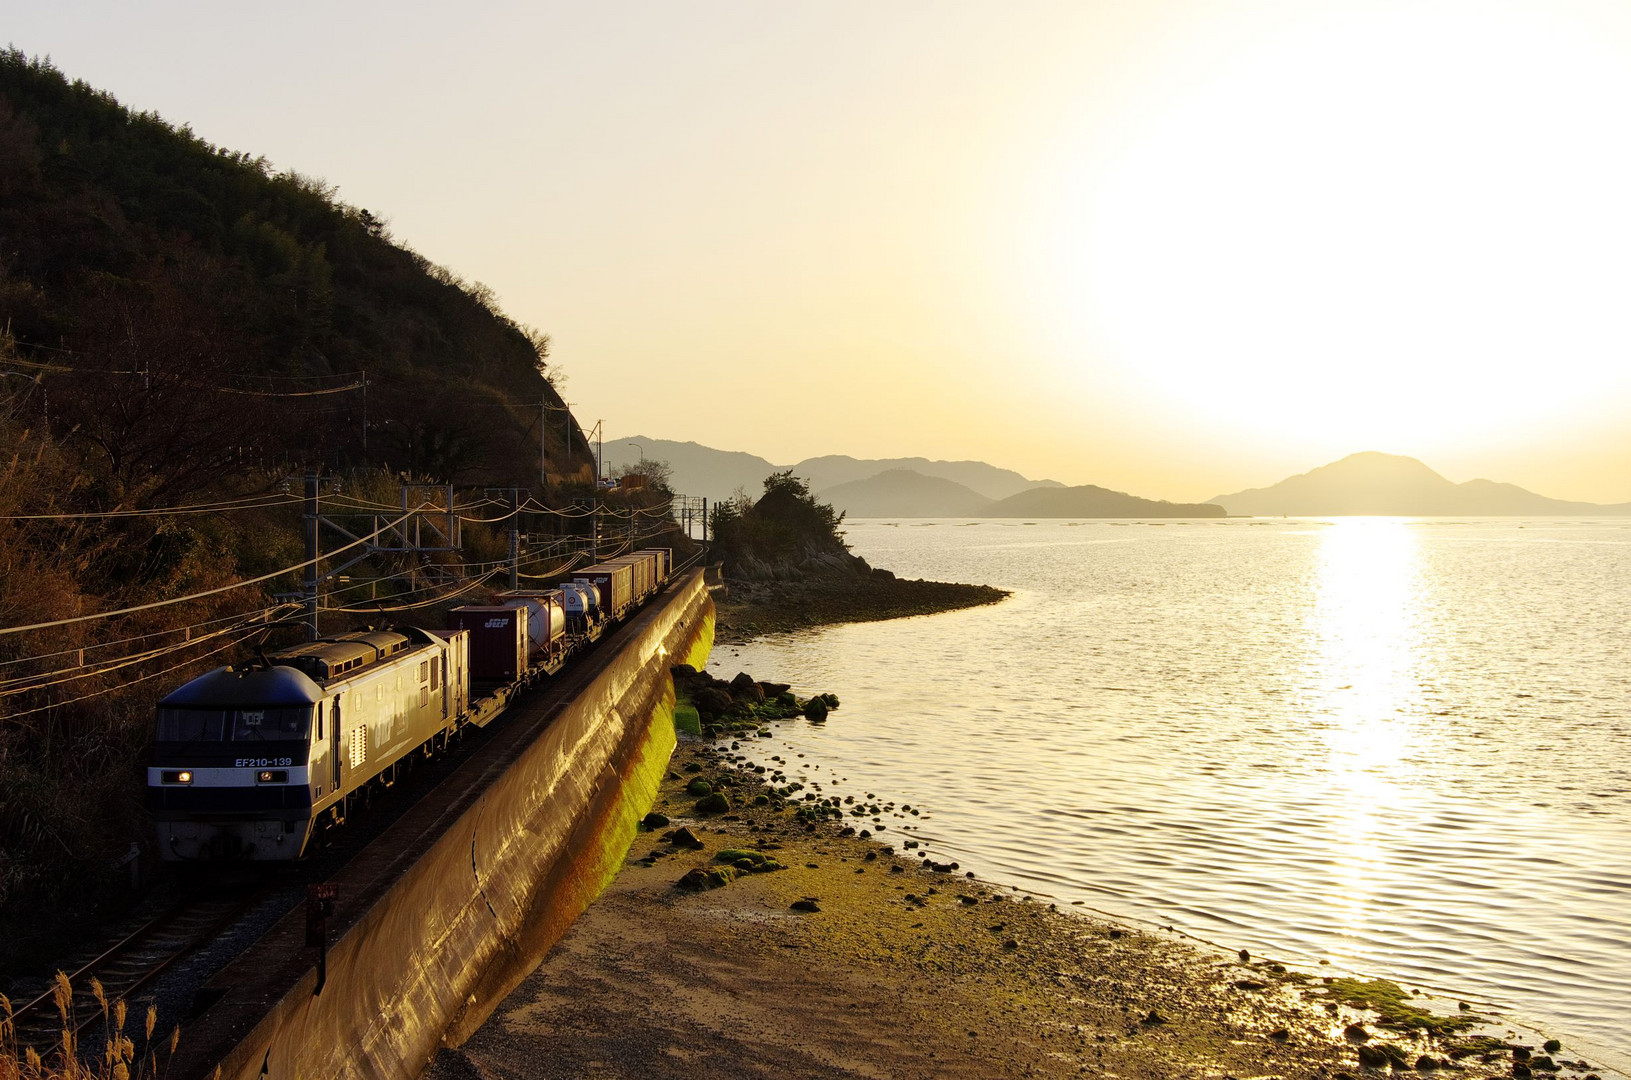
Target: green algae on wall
[[703, 644]]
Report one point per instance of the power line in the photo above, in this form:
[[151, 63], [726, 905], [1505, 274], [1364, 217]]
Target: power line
[[252, 502], [210, 592], [28, 683], [284, 393], [131, 682], [139, 637]]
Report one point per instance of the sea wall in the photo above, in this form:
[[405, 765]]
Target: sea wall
[[437, 926]]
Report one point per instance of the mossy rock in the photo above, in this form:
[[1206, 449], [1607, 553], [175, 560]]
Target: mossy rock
[[703, 878], [1393, 1006], [831, 700], [736, 855], [713, 804], [699, 786], [815, 710], [687, 719]]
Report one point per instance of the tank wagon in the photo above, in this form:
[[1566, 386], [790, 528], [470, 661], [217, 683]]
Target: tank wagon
[[254, 762]]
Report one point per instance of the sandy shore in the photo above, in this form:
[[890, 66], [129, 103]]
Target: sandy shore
[[901, 970]]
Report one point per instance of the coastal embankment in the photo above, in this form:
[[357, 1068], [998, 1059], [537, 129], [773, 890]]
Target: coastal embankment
[[790, 933], [441, 916]]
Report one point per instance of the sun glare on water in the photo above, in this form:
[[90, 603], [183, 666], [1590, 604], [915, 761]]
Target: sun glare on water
[[1362, 680]]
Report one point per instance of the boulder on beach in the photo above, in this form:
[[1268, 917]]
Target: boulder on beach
[[706, 877], [713, 702], [713, 804], [815, 709]]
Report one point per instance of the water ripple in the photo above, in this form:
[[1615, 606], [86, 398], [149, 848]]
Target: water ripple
[[1399, 747]]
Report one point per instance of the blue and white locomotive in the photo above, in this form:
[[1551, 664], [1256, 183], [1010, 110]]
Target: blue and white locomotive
[[249, 762]]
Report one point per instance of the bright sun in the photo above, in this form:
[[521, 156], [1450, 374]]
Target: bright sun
[[1372, 224]]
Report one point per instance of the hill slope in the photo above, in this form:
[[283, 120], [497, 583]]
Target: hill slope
[[904, 493], [1089, 501], [717, 474], [1390, 484], [988, 480], [188, 304]]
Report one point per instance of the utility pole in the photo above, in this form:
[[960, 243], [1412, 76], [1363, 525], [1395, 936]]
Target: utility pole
[[313, 480], [515, 539], [543, 426]]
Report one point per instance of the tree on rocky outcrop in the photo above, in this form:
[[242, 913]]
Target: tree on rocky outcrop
[[788, 534]]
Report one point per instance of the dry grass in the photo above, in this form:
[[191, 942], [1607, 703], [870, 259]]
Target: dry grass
[[69, 1060]]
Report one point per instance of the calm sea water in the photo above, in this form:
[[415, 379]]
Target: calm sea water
[[1400, 746]]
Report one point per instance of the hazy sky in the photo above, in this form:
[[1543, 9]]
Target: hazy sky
[[1172, 248]]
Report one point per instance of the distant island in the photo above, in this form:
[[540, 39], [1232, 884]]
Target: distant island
[[895, 487], [1392, 485], [1368, 483]]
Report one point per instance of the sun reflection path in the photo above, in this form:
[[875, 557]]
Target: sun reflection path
[[1365, 636]]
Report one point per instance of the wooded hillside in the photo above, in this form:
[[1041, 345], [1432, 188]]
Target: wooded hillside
[[181, 330]]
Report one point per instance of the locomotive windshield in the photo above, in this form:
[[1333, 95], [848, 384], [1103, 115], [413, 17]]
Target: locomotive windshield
[[238, 725]]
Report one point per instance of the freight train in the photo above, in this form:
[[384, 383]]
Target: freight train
[[255, 762]]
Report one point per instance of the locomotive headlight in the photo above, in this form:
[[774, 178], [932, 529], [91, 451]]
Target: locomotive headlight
[[272, 776], [182, 777]]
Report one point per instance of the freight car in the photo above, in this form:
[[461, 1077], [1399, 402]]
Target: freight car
[[252, 763]]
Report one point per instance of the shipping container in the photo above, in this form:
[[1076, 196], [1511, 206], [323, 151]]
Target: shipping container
[[636, 579], [546, 618], [644, 565], [498, 642], [615, 585], [665, 561]]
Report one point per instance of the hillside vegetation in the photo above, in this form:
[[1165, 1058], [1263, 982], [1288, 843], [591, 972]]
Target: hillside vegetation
[[182, 329], [164, 286]]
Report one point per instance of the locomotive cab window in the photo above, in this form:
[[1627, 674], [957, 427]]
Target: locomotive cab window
[[270, 724]]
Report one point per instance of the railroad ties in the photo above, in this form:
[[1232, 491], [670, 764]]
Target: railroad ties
[[124, 970]]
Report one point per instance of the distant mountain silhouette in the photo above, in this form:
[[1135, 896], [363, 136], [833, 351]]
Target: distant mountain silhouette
[[904, 493], [825, 473], [697, 469], [716, 474], [1089, 501], [1388, 484]]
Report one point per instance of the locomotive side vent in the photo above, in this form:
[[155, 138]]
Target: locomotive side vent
[[359, 745]]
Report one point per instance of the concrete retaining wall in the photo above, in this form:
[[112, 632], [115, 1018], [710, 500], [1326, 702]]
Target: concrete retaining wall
[[439, 925]]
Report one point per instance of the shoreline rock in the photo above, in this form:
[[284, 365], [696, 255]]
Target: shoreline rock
[[748, 609], [853, 959]]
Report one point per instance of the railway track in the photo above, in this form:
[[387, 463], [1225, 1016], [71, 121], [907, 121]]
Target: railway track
[[128, 969], [125, 969]]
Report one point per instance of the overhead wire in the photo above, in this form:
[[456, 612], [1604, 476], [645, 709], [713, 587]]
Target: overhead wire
[[28, 684], [207, 592], [130, 682], [473, 583], [261, 613], [255, 502]]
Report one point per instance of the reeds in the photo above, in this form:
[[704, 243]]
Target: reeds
[[118, 1059]]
